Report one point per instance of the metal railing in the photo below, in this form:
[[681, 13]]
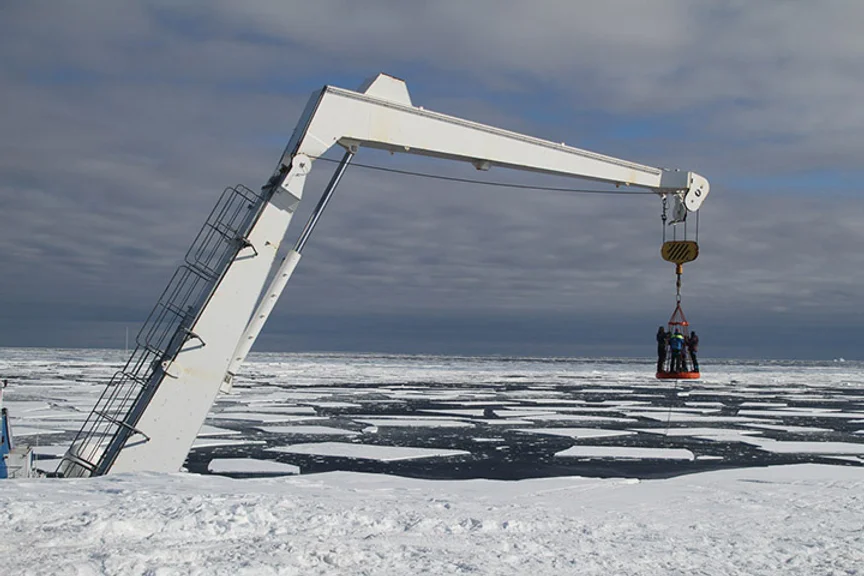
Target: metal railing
[[168, 327]]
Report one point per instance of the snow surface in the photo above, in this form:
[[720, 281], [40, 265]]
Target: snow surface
[[478, 412], [702, 432], [578, 418], [781, 447], [250, 465], [794, 412], [414, 423], [207, 430], [626, 453], [310, 430], [801, 519], [58, 450], [792, 429], [576, 432], [793, 520], [264, 418], [208, 442], [28, 431], [688, 417]]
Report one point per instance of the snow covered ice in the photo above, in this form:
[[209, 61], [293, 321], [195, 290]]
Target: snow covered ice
[[801, 519], [587, 467]]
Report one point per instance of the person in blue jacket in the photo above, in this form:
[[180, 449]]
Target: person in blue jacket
[[676, 346]]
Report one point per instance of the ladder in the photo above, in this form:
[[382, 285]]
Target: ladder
[[112, 422]]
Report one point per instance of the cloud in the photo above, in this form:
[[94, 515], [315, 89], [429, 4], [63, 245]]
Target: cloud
[[123, 121], [759, 75]]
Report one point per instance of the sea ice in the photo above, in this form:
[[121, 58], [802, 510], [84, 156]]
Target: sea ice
[[366, 451], [216, 442], [250, 466], [781, 447], [415, 423], [207, 430], [701, 432], [626, 453], [309, 430], [791, 429], [576, 432]]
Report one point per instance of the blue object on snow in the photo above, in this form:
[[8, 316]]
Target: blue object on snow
[[5, 442]]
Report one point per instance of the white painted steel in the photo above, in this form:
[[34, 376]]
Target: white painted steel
[[382, 117], [265, 307], [175, 414]]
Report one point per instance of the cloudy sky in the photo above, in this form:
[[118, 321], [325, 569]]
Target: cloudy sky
[[121, 122]]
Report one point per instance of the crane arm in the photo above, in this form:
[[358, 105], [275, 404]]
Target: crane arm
[[383, 117], [215, 306]]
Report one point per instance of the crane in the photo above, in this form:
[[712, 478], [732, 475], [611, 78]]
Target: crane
[[215, 305]]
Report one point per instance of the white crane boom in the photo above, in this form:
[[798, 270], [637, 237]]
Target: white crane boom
[[383, 117], [207, 320]]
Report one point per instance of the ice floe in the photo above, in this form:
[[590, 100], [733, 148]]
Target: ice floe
[[366, 451], [576, 432], [250, 466], [626, 453], [309, 430]]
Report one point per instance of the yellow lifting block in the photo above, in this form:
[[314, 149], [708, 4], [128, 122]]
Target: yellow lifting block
[[680, 251]]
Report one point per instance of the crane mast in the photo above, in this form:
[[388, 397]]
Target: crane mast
[[208, 318]]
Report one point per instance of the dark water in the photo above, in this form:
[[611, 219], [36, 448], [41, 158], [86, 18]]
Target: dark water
[[344, 389], [505, 452]]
